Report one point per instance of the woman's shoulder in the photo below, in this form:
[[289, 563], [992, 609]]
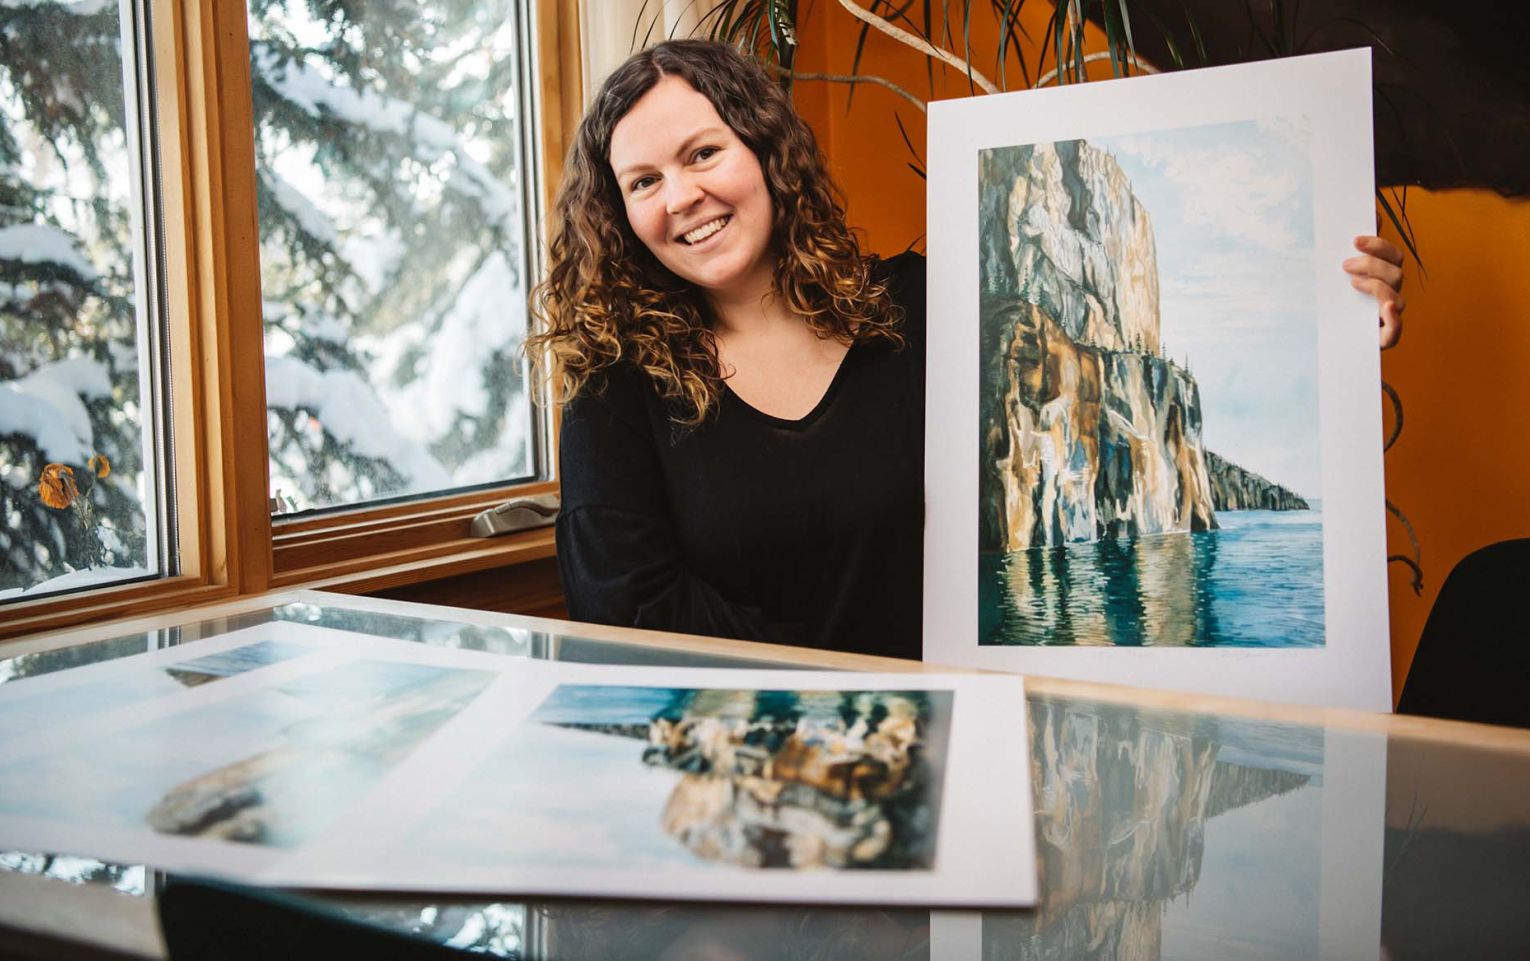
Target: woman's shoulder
[[904, 275], [620, 391]]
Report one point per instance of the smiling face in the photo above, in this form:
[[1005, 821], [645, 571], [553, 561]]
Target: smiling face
[[694, 192]]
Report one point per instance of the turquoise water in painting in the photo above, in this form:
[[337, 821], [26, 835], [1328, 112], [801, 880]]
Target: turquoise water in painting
[[1256, 582]]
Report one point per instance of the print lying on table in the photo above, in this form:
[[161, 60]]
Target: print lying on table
[[303, 756], [340, 732], [1148, 408], [651, 776], [34, 710], [271, 766]]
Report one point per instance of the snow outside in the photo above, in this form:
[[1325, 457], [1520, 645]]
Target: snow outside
[[392, 227]]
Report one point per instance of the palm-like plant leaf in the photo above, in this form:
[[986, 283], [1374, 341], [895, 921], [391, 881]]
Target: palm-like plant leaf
[[767, 29], [917, 164], [1399, 218], [894, 15], [1010, 32], [967, 44]]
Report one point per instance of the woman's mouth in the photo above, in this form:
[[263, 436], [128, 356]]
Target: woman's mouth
[[709, 229]]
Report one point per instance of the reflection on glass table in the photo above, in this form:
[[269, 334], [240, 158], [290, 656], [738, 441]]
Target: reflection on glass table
[[1161, 832]]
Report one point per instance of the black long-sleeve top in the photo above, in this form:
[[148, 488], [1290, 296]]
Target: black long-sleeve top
[[806, 532]]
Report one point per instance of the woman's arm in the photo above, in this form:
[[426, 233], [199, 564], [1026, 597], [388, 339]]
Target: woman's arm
[[618, 555]]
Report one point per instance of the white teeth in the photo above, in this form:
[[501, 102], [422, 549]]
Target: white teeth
[[704, 231]]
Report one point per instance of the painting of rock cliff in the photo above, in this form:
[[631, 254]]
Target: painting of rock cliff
[[660, 779], [1148, 411], [769, 779]]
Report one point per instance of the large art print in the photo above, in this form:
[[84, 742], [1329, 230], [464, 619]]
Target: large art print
[[304, 756], [1154, 435]]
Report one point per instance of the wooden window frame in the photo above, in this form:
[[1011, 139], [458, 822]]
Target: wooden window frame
[[228, 542]]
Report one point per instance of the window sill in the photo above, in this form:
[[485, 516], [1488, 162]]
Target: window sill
[[107, 603], [381, 571], [351, 557], [340, 545]]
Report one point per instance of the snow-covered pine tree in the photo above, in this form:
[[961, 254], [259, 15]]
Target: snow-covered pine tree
[[390, 168], [69, 366], [392, 237]]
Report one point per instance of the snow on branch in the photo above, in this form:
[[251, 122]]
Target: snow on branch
[[487, 317], [34, 418], [44, 244], [429, 137], [349, 411], [45, 406], [310, 218]]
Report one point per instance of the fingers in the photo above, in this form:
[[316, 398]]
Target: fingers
[[1391, 325], [1379, 258], [1378, 272], [1374, 267], [1390, 305], [1379, 247]]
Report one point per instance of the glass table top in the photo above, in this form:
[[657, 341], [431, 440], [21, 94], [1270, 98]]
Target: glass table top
[[1161, 834]]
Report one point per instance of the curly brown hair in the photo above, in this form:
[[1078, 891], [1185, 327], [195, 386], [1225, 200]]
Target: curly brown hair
[[607, 298]]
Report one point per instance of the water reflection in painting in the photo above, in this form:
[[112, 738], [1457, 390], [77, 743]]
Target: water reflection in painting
[[1257, 581]]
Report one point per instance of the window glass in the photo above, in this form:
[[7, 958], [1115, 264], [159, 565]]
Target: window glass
[[391, 175], [80, 496]]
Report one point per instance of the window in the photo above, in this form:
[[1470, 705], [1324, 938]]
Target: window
[[83, 499], [342, 210], [391, 165]]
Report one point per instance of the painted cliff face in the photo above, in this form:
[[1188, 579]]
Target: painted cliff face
[[1106, 269], [795, 780]]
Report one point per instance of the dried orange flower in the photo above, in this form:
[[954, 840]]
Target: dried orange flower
[[57, 486], [99, 464]]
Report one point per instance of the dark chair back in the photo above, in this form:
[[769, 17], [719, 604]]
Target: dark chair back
[[1473, 659]]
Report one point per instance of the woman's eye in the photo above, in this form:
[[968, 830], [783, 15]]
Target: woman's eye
[[642, 183], [706, 153]]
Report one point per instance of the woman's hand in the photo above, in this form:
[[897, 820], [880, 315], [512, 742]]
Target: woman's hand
[[1378, 272]]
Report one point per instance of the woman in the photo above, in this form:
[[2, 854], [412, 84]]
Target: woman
[[742, 447]]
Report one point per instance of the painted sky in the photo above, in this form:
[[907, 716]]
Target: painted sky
[[1231, 206], [557, 797]]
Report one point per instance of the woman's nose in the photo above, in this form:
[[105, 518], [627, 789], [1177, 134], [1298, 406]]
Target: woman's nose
[[681, 194]]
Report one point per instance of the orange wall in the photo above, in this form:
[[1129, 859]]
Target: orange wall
[[1460, 470]]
